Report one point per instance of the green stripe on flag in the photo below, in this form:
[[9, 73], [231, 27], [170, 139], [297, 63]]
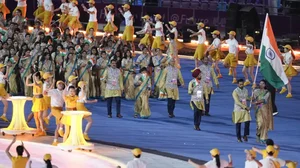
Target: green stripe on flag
[[267, 70]]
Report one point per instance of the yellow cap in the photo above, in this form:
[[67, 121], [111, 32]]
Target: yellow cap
[[91, 2], [215, 152], [75, 2], [173, 23], [291, 165], [2, 65], [288, 47], [47, 156], [252, 153], [41, 73], [81, 84], [146, 17], [126, 6], [158, 16], [216, 32], [47, 75], [232, 33], [136, 151], [59, 82], [249, 38], [200, 24], [72, 77], [270, 148], [110, 6]]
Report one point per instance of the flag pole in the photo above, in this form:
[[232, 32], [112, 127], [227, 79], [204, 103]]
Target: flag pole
[[257, 66]]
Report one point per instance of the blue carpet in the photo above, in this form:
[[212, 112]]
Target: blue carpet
[[177, 136]]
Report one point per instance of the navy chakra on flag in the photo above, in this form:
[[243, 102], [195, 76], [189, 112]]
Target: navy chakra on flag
[[270, 54]]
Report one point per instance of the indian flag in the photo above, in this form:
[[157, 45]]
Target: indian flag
[[3, 30], [63, 53], [88, 40], [269, 56], [77, 48]]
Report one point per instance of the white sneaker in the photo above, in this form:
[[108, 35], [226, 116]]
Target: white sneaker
[[275, 113]]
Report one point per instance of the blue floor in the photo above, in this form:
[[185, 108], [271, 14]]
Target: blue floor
[[177, 136]]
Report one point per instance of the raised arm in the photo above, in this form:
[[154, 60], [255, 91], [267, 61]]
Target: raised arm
[[26, 151], [9, 146], [27, 81]]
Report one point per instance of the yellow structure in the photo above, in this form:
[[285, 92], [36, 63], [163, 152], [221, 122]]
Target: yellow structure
[[76, 139], [18, 123]]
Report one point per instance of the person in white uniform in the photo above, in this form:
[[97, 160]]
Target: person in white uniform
[[216, 162], [136, 162], [251, 161], [57, 104], [270, 161], [231, 60], [3, 94]]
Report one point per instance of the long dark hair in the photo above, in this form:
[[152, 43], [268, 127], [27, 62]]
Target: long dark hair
[[218, 162], [48, 163]]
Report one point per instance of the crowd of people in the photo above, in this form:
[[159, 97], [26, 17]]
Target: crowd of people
[[62, 67]]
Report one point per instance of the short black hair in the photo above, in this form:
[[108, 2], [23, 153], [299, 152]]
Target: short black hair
[[143, 69], [138, 156], [269, 142], [240, 80], [71, 87], [270, 153], [20, 150]]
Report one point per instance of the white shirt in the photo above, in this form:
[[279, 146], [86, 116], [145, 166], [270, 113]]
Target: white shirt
[[110, 17], [74, 11], [63, 7], [216, 43], [249, 50], [287, 58], [128, 21], [251, 164], [212, 164], [82, 97], [233, 45], [159, 32], [267, 163], [2, 80], [48, 5], [175, 31], [46, 86], [21, 3], [201, 37], [136, 163], [146, 28], [39, 2], [93, 17], [56, 98]]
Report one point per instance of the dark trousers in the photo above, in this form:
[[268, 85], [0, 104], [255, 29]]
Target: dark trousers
[[272, 91], [273, 95], [197, 115], [109, 104], [207, 105], [171, 106], [246, 129]]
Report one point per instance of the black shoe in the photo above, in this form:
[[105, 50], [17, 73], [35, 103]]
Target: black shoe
[[240, 140], [245, 138], [171, 115], [119, 116], [207, 114], [197, 128], [109, 116], [136, 116]]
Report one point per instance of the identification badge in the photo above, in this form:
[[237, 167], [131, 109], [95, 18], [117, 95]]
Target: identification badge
[[207, 79], [244, 102], [114, 82], [199, 94], [174, 81]]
